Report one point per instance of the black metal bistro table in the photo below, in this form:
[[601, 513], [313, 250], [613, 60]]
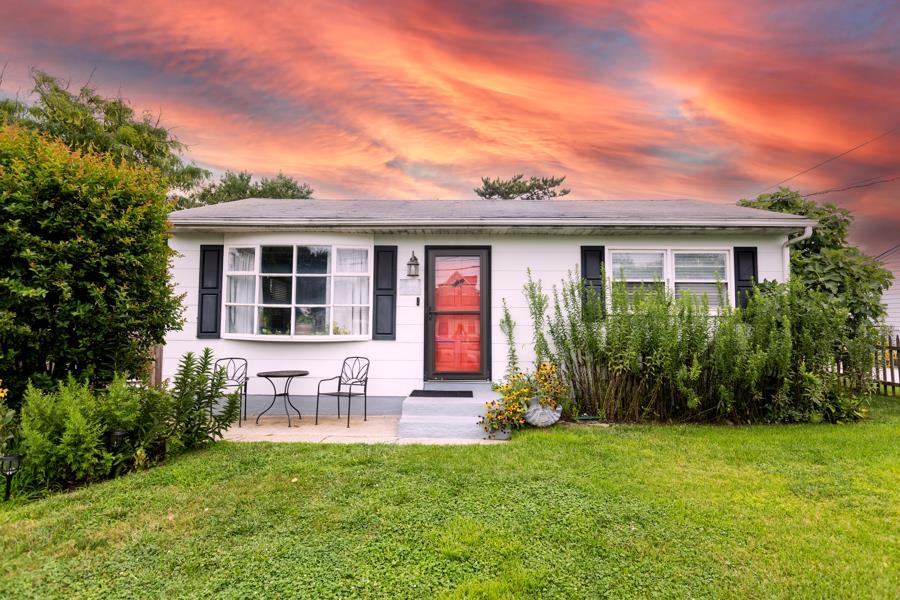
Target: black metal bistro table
[[288, 377]]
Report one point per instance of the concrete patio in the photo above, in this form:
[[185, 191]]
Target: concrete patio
[[391, 420]]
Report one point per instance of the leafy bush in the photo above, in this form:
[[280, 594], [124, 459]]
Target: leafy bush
[[85, 288], [197, 412], [62, 437], [67, 434], [785, 358]]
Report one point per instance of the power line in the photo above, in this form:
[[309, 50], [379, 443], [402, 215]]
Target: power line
[[888, 251], [852, 186], [835, 157]]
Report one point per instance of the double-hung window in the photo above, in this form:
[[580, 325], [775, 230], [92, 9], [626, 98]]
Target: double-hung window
[[697, 271], [701, 273], [638, 267], [298, 291]]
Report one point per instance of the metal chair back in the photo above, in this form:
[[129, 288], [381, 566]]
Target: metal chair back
[[235, 369], [355, 371]]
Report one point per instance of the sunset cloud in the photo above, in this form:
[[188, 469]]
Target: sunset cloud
[[420, 99]]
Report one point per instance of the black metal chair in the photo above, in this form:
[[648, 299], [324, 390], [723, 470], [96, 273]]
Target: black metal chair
[[352, 381], [235, 378]]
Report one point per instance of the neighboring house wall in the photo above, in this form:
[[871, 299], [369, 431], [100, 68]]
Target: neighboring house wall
[[398, 365], [891, 298]]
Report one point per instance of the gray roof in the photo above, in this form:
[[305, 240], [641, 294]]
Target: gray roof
[[467, 215]]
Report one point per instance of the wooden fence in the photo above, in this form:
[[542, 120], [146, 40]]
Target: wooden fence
[[887, 365]]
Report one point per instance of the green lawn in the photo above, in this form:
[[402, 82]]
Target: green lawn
[[576, 511]]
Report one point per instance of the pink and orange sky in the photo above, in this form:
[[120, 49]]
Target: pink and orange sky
[[704, 99]]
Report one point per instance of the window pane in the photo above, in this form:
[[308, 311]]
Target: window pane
[[275, 290], [240, 289], [274, 321], [311, 321], [351, 290], [350, 320], [704, 266], [697, 290], [457, 343], [239, 319], [637, 266], [242, 259], [276, 259], [352, 260], [456, 283], [648, 287], [312, 290], [313, 259]]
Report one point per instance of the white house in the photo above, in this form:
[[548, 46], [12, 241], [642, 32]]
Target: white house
[[302, 284], [891, 297]]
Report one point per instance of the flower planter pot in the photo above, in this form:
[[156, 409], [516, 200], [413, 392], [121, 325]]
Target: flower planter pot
[[541, 416]]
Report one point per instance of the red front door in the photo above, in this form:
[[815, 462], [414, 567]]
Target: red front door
[[457, 319]]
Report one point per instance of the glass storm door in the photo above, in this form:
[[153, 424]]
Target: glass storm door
[[457, 320]]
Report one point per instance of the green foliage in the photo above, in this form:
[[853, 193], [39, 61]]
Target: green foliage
[[197, 393], [67, 433], [62, 438], [89, 123], [85, 288], [8, 423], [785, 358], [827, 262], [508, 326], [144, 413], [8, 428], [534, 188], [236, 186]]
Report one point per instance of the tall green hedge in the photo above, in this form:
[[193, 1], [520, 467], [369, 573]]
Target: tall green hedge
[[84, 286]]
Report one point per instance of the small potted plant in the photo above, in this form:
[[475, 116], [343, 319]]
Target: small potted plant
[[544, 407]]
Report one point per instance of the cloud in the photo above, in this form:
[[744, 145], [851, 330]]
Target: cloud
[[413, 98]]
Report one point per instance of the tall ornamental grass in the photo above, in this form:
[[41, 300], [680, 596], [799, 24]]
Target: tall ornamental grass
[[646, 355]]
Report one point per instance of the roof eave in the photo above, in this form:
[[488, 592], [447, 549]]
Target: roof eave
[[484, 225]]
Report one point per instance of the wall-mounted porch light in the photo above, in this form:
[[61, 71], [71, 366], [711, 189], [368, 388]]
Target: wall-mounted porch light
[[412, 266]]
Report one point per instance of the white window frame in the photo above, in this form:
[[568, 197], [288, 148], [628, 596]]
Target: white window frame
[[668, 278], [333, 275], [726, 280]]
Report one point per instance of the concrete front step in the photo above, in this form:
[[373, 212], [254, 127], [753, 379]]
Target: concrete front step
[[458, 407], [442, 427], [473, 386], [441, 418]]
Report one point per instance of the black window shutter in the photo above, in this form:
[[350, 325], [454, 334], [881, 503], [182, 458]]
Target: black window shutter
[[592, 267], [592, 274], [385, 308], [209, 302], [746, 274]]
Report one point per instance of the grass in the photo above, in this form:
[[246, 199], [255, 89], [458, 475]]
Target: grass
[[573, 512]]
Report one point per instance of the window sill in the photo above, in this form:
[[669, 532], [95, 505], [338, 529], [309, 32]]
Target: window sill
[[297, 338]]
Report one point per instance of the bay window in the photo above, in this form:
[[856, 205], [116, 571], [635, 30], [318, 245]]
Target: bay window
[[297, 291]]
